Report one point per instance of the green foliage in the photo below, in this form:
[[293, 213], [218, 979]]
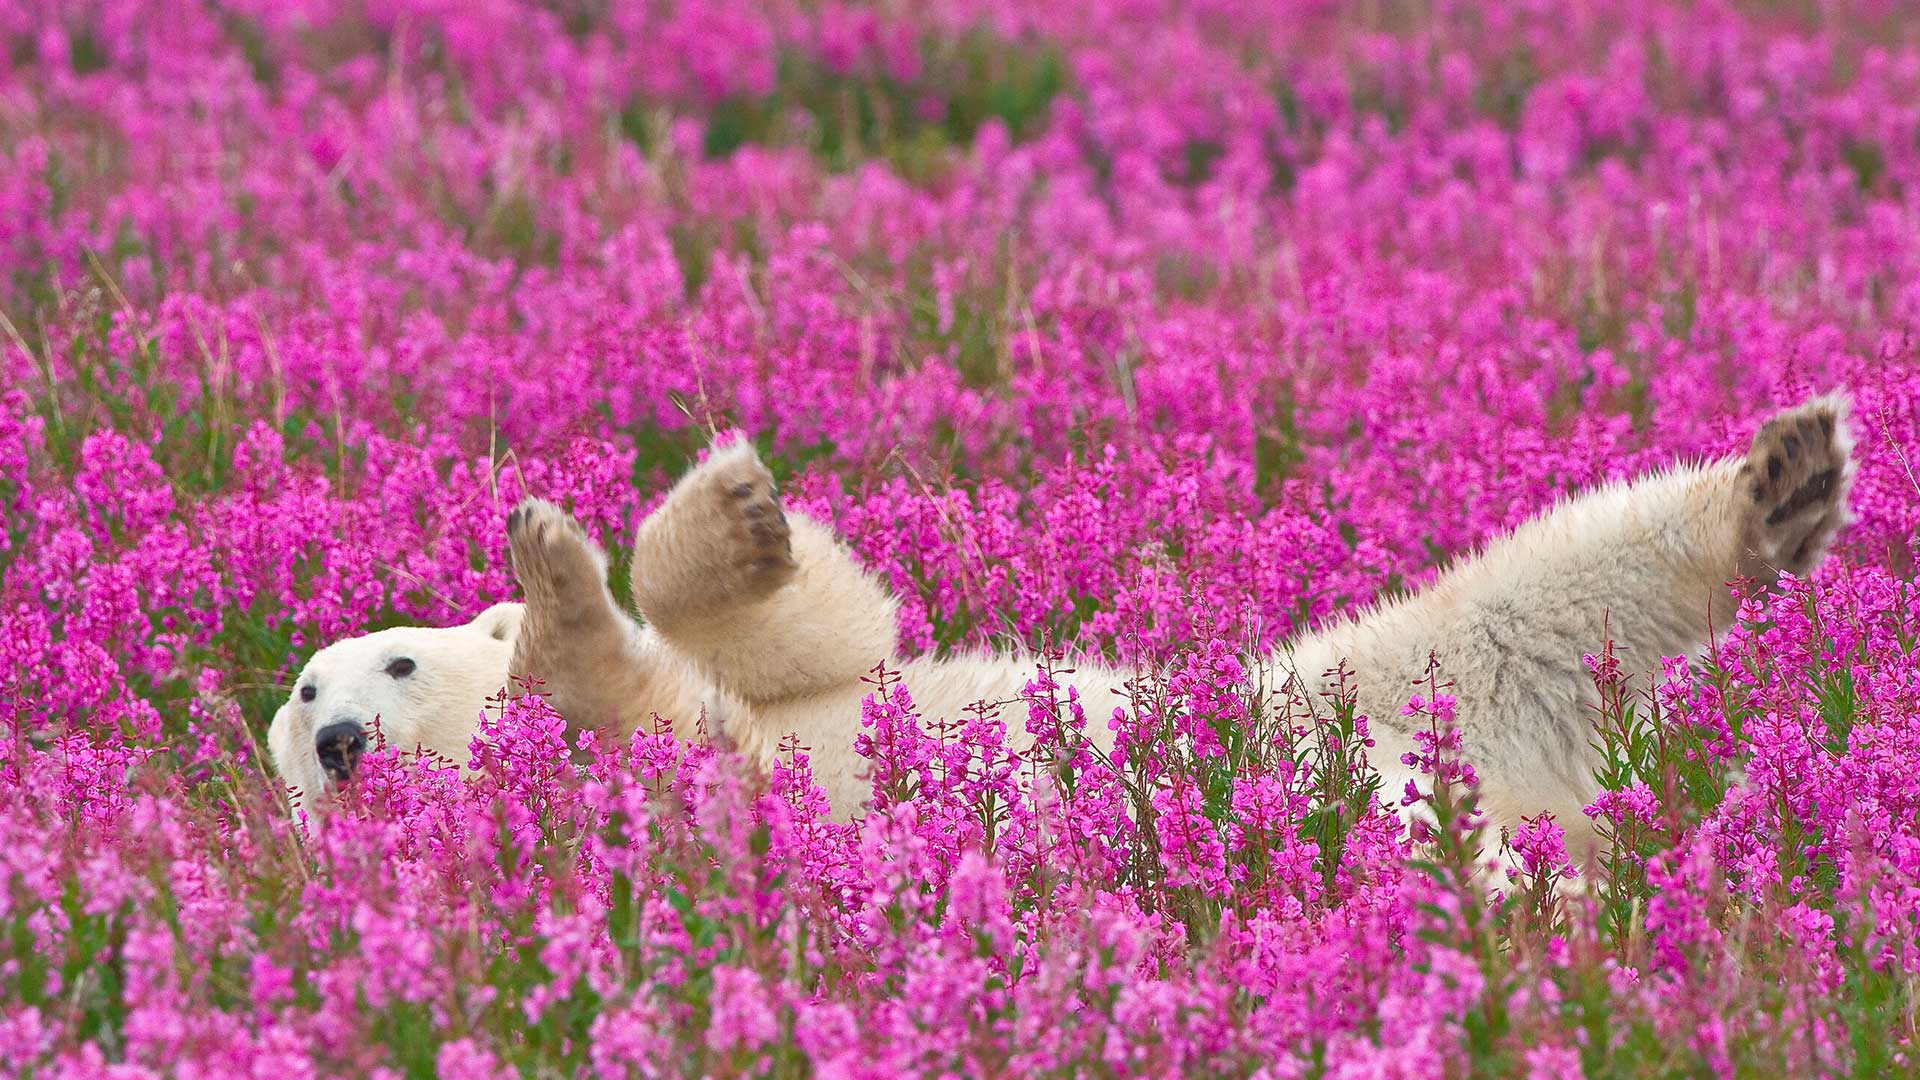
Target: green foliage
[[1276, 448], [1343, 791], [1868, 162], [911, 123]]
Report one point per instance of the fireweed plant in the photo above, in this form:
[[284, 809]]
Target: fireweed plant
[[1153, 329]]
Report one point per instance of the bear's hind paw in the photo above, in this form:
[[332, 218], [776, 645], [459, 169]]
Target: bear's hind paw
[[1797, 475]]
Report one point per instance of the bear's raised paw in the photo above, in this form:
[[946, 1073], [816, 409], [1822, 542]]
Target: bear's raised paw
[[762, 540], [561, 571], [721, 537], [1797, 474]]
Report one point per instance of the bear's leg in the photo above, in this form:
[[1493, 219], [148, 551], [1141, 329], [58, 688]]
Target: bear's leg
[[1644, 566], [1795, 479], [768, 606], [596, 667]]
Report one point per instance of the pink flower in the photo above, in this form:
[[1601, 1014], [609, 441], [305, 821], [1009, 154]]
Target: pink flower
[[744, 1017]]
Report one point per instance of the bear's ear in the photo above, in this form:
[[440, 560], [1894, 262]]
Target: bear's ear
[[501, 622]]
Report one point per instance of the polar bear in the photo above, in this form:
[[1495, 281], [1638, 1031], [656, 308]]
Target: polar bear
[[762, 626]]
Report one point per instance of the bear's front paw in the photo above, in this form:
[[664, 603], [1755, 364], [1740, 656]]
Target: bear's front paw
[[759, 543], [561, 571], [720, 538]]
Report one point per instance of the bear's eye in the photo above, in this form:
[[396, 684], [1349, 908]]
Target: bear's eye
[[400, 668], [308, 693]]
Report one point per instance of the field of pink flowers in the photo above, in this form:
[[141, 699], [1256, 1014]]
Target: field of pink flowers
[[1165, 327]]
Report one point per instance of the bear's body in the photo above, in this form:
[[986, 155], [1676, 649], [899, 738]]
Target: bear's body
[[766, 626]]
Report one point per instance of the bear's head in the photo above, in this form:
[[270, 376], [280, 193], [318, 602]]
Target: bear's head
[[411, 687]]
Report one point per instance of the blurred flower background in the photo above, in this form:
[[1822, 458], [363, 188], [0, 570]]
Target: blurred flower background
[[1161, 327]]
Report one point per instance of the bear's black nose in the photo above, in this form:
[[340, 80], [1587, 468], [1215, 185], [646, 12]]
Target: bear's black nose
[[339, 746]]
